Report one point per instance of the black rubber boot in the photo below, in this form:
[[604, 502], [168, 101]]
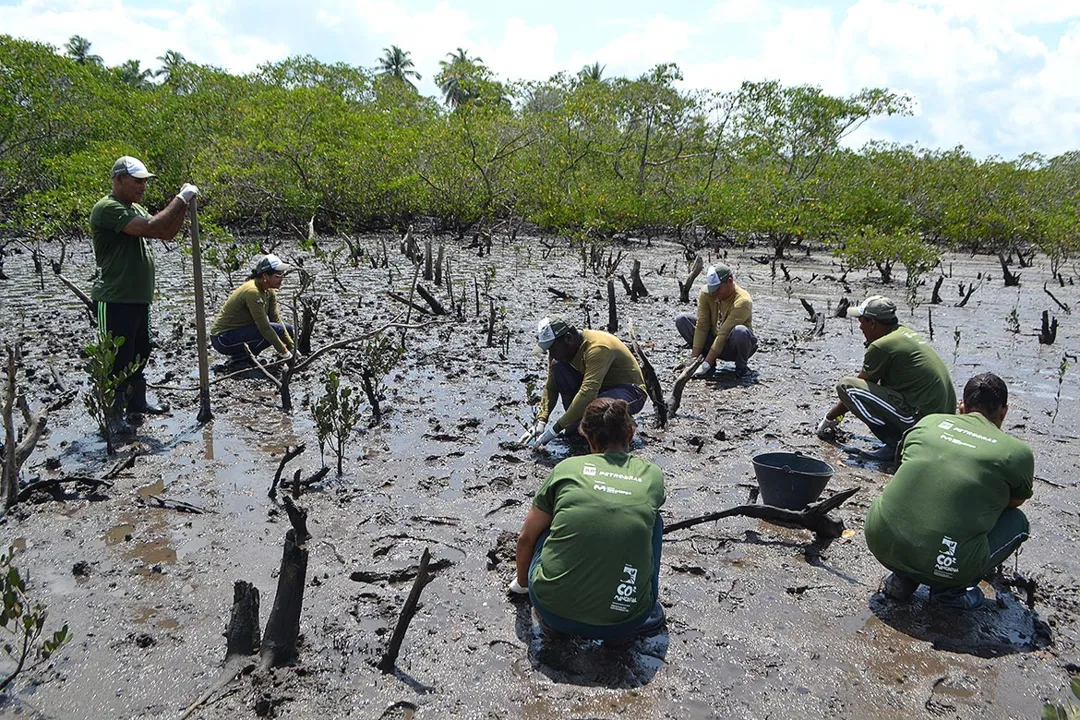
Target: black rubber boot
[[138, 402], [118, 426]]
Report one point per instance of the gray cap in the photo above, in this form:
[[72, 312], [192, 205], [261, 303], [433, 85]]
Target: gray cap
[[270, 263], [875, 307], [134, 167], [549, 330], [716, 276]]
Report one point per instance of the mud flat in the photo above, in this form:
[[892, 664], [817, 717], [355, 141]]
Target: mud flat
[[761, 622]]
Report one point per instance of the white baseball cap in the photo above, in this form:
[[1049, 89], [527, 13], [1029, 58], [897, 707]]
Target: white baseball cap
[[134, 167]]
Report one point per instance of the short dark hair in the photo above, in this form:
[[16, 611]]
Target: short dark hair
[[985, 392], [606, 422]]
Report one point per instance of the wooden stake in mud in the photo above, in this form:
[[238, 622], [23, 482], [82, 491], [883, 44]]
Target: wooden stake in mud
[[612, 310], [423, 577], [205, 415]]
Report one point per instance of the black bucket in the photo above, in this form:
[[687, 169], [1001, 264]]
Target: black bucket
[[790, 480]]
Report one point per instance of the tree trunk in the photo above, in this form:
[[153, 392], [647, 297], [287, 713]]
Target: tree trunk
[[685, 287], [613, 311], [283, 625], [423, 577]]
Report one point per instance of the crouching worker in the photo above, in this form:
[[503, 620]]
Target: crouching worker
[[582, 365], [949, 516], [250, 316], [589, 551]]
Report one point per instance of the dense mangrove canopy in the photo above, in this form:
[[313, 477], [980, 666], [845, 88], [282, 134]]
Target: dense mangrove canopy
[[579, 155]]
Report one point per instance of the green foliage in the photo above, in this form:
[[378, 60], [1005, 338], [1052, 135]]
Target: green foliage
[[22, 623], [870, 247], [1064, 712], [100, 396], [376, 358], [336, 414]]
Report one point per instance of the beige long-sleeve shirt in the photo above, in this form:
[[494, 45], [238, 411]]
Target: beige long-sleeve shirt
[[248, 306], [720, 317]]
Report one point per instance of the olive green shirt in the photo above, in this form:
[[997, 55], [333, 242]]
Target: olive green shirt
[[957, 475], [596, 566], [125, 262], [605, 361], [250, 306], [903, 361], [721, 317]]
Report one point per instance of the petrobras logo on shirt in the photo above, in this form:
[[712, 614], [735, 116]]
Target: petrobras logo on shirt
[[946, 425], [949, 425], [618, 476], [588, 470]]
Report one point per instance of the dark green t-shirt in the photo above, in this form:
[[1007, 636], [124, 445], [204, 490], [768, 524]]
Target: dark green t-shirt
[[904, 361], [596, 566], [125, 262], [957, 474]]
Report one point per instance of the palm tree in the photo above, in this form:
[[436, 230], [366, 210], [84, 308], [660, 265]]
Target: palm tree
[[171, 62], [134, 75], [397, 63], [593, 72], [455, 73], [78, 49]]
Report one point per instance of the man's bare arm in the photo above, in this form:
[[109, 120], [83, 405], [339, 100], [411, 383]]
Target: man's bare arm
[[163, 226]]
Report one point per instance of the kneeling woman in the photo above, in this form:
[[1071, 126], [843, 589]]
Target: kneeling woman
[[250, 316], [589, 551]]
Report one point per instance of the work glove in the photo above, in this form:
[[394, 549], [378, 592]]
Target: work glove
[[548, 435], [287, 355], [703, 369], [187, 192], [531, 434], [517, 588], [826, 429]]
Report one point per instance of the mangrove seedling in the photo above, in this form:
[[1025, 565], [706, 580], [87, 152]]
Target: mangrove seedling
[[376, 357], [100, 397], [336, 414], [1064, 712], [956, 345], [1062, 368], [1012, 322], [22, 622]]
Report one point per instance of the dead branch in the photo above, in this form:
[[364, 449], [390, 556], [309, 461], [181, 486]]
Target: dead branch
[[431, 300], [967, 295], [91, 306], [168, 504], [423, 577], [635, 281], [613, 310], [814, 518], [1064, 306], [53, 483], [652, 384], [396, 576], [680, 382], [298, 519], [289, 455], [560, 294], [1011, 280], [405, 301], [809, 309], [842, 307], [935, 297], [283, 625], [684, 287], [1048, 331]]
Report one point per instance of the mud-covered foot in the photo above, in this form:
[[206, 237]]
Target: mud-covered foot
[[886, 453], [957, 598], [899, 588], [121, 429]]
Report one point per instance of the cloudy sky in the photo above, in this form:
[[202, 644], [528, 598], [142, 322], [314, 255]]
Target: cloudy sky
[[996, 76]]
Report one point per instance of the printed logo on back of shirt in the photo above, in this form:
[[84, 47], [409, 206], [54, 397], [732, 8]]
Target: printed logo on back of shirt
[[946, 425], [588, 470]]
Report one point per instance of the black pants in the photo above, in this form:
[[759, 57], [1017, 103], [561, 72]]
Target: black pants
[[130, 321]]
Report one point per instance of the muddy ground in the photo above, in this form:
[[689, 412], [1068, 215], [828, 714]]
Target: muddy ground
[[759, 623]]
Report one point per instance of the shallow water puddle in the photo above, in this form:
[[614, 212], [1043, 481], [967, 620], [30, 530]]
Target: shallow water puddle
[[119, 533], [152, 489]]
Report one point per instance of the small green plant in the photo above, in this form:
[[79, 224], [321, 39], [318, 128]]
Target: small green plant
[[376, 357], [23, 622], [1065, 712], [1012, 322], [956, 345], [1062, 368], [100, 396], [336, 414]]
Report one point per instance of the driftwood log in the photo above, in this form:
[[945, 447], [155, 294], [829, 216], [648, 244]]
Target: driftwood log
[[431, 300], [814, 518], [652, 384], [423, 577]]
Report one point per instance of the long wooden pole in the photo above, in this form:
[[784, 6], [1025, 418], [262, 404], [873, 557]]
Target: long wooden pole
[[205, 415]]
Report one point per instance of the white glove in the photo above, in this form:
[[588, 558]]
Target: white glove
[[517, 588], [548, 435], [536, 431], [826, 429], [703, 369], [287, 355], [187, 192]]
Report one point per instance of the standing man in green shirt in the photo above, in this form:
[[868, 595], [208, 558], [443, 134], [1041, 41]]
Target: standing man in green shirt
[[724, 324], [902, 380], [950, 514], [121, 229], [583, 365]]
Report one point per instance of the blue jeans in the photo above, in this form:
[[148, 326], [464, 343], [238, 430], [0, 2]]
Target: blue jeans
[[597, 632], [740, 346], [567, 381], [231, 342]]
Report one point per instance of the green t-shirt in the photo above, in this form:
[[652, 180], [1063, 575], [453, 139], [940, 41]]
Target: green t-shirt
[[904, 361], [125, 262], [596, 566], [957, 474], [248, 306]]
